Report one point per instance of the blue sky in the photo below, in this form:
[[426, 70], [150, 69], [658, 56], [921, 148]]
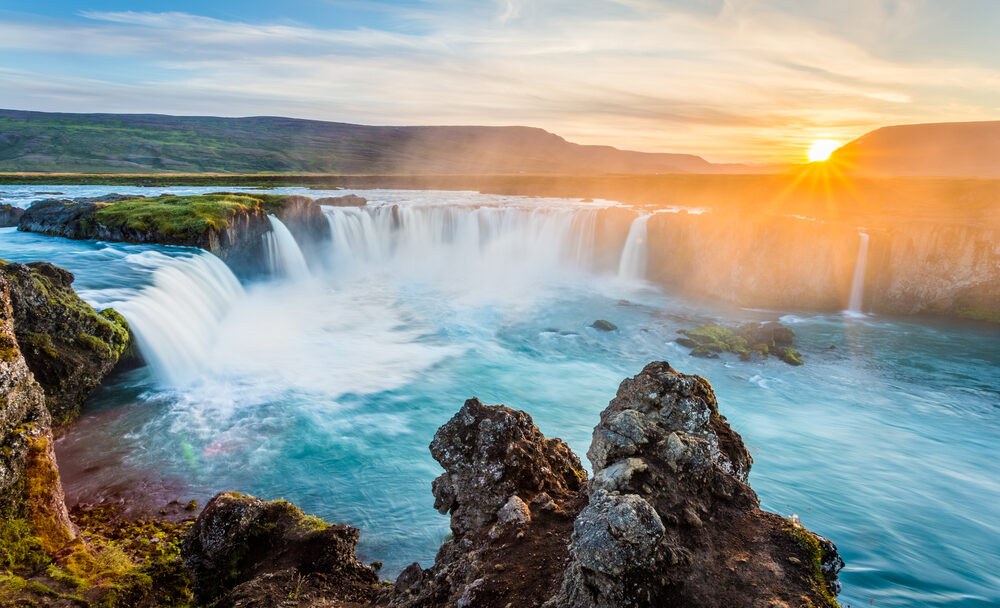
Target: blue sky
[[733, 80]]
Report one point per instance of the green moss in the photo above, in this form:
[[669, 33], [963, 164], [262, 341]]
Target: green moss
[[979, 313], [20, 547], [789, 356], [8, 348], [185, 218], [814, 551]]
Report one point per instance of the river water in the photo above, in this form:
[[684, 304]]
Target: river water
[[324, 384]]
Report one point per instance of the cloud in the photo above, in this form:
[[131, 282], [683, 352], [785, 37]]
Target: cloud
[[745, 82]]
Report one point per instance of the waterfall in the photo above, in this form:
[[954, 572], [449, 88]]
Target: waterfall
[[283, 253], [634, 254], [472, 242], [858, 284], [175, 319]]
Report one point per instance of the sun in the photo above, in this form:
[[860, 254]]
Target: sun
[[821, 149]]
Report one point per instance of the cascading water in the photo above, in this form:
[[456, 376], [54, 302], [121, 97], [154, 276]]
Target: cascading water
[[481, 244], [858, 283], [632, 265], [283, 253], [175, 320]]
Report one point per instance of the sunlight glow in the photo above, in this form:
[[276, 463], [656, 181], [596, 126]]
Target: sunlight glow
[[822, 149]]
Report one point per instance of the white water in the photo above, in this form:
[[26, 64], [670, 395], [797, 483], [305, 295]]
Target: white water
[[858, 284], [634, 255], [494, 250], [176, 319], [283, 253]]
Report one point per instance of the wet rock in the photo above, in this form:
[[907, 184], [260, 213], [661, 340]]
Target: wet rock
[[603, 325], [68, 346], [241, 548], [670, 510], [747, 340], [348, 200], [10, 215]]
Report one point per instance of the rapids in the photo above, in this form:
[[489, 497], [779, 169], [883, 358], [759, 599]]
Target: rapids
[[325, 384]]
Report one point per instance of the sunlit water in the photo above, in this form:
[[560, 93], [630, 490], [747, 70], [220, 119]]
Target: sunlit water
[[326, 389]]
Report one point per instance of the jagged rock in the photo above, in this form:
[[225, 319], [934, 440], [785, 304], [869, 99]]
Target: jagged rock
[[242, 549], [671, 513], [348, 200], [490, 453], [10, 215], [504, 551], [68, 346]]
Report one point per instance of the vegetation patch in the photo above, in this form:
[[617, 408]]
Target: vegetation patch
[[747, 340]]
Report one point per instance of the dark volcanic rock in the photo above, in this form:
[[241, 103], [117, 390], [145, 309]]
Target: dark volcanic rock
[[10, 215], [513, 494], [671, 520], [242, 548], [491, 453], [348, 200], [68, 346]]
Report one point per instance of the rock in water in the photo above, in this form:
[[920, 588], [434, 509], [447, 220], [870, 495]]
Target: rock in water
[[9, 215], [243, 551], [68, 346], [671, 519], [603, 325]]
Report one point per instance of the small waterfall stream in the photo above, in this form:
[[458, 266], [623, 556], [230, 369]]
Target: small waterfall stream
[[283, 253], [634, 255], [858, 283], [175, 320]]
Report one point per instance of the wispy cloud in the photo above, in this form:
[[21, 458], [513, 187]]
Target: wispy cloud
[[745, 82]]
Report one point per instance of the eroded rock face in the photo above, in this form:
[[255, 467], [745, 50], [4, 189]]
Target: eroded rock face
[[9, 215], [490, 453], [512, 494], [242, 548], [68, 346], [29, 482], [671, 519]]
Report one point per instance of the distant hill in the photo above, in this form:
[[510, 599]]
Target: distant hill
[[953, 149], [144, 143]]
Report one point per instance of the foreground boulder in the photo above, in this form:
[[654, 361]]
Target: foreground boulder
[[671, 519], [512, 494], [68, 346], [243, 551]]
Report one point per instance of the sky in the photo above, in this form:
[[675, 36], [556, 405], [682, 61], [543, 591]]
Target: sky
[[753, 81]]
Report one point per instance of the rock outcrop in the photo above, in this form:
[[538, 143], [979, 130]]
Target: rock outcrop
[[9, 215], [243, 551], [230, 225], [671, 519], [68, 346], [512, 494]]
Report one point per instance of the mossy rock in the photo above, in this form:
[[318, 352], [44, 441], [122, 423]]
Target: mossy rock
[[746, 341]]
